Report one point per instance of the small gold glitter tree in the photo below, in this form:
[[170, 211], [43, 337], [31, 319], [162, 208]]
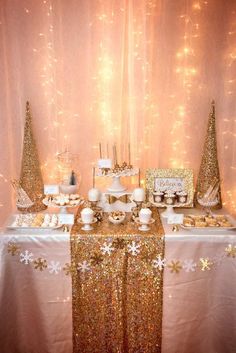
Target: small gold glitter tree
[[209, 168], [31, 178]]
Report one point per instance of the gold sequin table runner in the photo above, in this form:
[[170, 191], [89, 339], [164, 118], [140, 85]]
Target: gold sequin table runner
[[117, 288]]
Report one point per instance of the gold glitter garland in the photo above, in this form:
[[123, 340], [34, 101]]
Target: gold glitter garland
[[117, 292], [40, 264], [209, 168], [231, 250], [31, 178], [174, 266], [13, 248], [205, 264]]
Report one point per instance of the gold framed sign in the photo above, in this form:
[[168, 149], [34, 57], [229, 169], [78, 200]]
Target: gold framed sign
[[170, 187]]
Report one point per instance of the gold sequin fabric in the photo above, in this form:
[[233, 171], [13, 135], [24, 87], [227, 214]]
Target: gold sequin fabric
[[117, 292]]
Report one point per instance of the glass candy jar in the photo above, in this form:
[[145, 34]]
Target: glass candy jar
[[70, 177]]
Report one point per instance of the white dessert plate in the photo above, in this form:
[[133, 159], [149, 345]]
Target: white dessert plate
[[144, 227], [152, 220], [52, 203]]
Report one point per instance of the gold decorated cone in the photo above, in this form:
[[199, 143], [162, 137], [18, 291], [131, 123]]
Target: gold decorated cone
[[209, 168], [31, 178]]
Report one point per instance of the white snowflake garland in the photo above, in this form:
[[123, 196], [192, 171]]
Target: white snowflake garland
[[107, 248], [54, 267], [83, 267], [26, 257], [133, 248], [189, 265], [159, 263]]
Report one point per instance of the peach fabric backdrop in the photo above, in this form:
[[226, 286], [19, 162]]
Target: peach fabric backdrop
[[119, 71]]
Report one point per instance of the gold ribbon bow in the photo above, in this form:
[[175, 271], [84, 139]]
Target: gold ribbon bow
[[111, 199]]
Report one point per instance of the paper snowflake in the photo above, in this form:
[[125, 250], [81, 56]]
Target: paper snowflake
[[133, 248], [13, 248], [175, 266], [26, 257], [40, 264], [189, 265], [83, 266], [69, 269], [54, 267], [107, 248], [159, 263], [231, 250], [205, 264]]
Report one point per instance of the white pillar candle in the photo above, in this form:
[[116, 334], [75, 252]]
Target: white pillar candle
[[93, 177], [129, 158], [94, 195], [100, 150], [139, 195]]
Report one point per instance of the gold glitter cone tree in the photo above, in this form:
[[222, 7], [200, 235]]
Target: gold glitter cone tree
[[209, 169], [31, 178]]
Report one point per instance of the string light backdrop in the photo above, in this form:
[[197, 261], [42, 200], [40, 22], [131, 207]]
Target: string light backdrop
[[117, 71]]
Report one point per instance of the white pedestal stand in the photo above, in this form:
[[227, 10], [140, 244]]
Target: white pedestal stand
[[168, 212], [116, 185], [117, 205], [63, 209]]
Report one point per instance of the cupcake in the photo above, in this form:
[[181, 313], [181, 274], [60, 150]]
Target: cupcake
[[169, 198], [182, 197], [158, 196]]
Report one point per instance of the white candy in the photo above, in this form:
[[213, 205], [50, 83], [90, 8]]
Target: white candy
[[52, 224], [24, 224]]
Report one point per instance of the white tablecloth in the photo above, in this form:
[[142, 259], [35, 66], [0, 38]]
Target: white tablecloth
[[199, 310]]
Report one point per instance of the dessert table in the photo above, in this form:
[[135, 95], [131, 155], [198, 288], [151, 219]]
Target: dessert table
[[199, 292]]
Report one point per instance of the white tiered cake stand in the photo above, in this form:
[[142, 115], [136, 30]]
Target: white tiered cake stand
[[116, 186], [118, 190]]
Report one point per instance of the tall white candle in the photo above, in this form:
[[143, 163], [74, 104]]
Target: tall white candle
[[100, 150], [114, 154], [129, 153], [93, 177]]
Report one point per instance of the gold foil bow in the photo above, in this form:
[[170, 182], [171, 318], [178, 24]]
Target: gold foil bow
[[112, 199]]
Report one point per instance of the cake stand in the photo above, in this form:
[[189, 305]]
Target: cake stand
[[116, 185], [62, 208]]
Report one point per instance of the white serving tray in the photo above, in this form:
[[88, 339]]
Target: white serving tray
[[13, 218], [230, 219]]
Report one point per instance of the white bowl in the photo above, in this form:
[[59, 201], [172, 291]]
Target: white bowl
[[117, 221]]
